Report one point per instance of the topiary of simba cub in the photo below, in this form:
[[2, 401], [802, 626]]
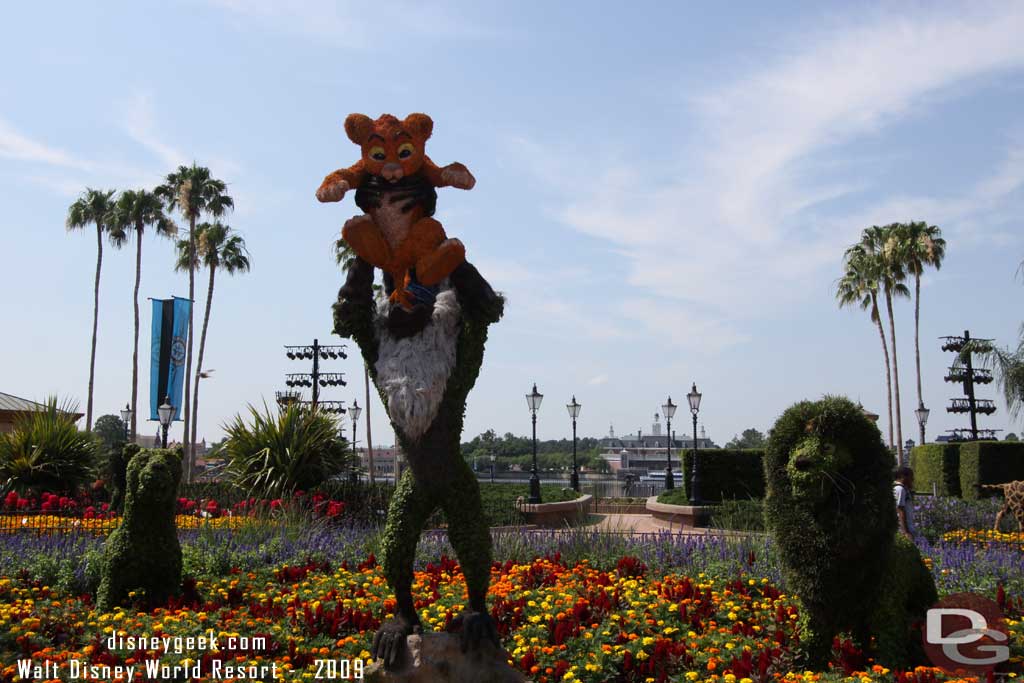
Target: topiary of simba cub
[[143, 553], [831, 510]]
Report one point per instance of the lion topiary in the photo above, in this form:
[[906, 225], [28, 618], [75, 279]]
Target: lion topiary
[[143, 552], [830, 507]]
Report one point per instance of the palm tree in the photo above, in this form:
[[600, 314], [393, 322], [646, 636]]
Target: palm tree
[[193, 191], [218, 248], [135, 210], [919, 245], [859, 285], [344, 257], [880, 246], [93, 207], [1008, 365]]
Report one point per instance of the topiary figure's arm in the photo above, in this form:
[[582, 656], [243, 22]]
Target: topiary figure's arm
[[355, 309]]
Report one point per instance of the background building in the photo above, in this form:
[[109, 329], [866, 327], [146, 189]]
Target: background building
[[12, 406], [641, 452], [384, 461]]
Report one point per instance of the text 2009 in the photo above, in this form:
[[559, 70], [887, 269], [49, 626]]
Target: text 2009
[[338, 669]]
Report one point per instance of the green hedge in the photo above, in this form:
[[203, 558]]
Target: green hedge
[[727, 473], [989, 462], [938, 465]]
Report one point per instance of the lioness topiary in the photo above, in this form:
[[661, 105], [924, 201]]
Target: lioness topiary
[[143, 552], [830, 506]]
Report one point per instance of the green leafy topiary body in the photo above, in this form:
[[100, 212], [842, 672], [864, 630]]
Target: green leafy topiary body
[[830, 506], [143, 553], [438, 475]]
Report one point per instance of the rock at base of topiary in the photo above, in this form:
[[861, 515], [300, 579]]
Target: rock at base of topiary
[[431, 657], [830, 506], [143, 553]]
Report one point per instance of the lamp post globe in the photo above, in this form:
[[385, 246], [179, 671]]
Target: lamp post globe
[[166, 413], [355, 411], [126, 418], [694, 399], [922, 419], [533, 400], [668, 410], [574, 412]]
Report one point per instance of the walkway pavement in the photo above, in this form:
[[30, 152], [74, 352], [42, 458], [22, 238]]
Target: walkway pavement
[[646, 524]]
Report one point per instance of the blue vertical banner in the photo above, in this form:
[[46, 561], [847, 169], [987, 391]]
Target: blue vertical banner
[[167, 360]]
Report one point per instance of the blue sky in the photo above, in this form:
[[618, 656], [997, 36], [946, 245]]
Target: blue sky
[[664, 191]]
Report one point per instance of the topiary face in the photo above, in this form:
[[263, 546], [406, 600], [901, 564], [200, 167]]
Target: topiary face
[[153, 477], [816, 467]]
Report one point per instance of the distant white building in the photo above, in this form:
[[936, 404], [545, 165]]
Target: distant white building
[[384, 461], [641, 452]]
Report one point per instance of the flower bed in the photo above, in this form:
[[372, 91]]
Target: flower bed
[[559, 621], [597, 607]]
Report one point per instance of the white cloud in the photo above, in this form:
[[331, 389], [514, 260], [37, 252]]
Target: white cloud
[[140, 124], [737, 234], [17, 146]]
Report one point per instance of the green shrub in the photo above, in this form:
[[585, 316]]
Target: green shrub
[[727, 473], [937, 465], [989, 462], [117, 473], [674, 497], [830, 508], [297, 449], [46, 452], [144, 552], [738, 515]]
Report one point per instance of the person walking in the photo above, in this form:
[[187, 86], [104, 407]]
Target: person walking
[[903, 492]]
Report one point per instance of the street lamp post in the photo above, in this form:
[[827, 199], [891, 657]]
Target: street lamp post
[[355, 411], [668, 410], [492, 468], [533, 400], [922, 420], [126, 418], [694, 398], [574, 412], [166, 413]]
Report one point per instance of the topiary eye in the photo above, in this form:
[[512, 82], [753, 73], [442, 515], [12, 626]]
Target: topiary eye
[[406, 150], [378, 154]]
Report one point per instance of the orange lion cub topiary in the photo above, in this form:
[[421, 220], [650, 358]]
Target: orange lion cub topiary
[[394, 182]]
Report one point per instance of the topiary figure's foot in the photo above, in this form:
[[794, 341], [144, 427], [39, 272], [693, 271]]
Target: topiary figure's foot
[[474, 629], [389, 640], [405, 323]]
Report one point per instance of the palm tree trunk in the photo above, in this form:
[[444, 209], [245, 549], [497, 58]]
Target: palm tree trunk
[[895, 379], [135, 348], [95, 324], [188, 354], [369, 437], [917, 344], [888, 374], [202, 350]]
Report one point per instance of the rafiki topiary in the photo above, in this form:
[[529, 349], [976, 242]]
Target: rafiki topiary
[[831, 509], [143, 553], [424, 380]]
